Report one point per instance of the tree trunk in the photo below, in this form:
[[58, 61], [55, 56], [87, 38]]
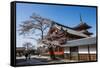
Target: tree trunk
[[42, 35], [52, 55]]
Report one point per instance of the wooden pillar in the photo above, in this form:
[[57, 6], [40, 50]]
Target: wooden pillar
[[78, 54], [53, 48], [89, 53], [70, 52], [97, 51], [58, 49]]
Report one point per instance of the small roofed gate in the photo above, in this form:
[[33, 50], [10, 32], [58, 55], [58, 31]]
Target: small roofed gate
[[55, 38]]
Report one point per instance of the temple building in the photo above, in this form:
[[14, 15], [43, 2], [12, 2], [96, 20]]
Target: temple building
[[20, 51], [71, 43]]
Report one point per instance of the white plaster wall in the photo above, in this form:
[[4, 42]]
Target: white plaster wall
[[84, 49], [93, 49], [66, 50]]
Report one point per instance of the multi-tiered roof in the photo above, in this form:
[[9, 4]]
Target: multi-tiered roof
[[60, 34], [83, 27]]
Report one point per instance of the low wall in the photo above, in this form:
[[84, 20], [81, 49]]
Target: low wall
[[82, 57]]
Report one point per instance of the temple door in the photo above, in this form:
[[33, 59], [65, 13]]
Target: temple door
[[74, 53]]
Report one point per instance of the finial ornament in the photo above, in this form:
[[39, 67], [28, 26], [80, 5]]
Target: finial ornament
[[81, 21]]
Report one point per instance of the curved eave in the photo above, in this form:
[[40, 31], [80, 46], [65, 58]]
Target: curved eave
[[88, 33], [82, 26]]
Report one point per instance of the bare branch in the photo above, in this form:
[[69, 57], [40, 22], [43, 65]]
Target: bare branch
[[37, 23], [28, 45]]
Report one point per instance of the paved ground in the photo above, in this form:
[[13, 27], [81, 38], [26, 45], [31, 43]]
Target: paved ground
[[33, 61], [29, 62], [38, 60], [35, 56]]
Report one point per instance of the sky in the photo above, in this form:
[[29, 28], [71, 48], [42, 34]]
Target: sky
[[66, 15]]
